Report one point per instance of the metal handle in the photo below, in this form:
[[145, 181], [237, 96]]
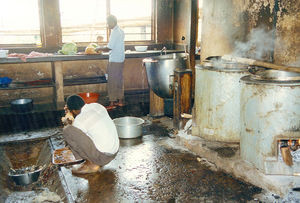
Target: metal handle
[[171, 79], [149, 60]]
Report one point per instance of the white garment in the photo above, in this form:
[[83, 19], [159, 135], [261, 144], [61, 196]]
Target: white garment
[[116, 44], [95, 122]]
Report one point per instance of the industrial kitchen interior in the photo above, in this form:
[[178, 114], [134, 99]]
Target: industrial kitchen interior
[[210, 109]]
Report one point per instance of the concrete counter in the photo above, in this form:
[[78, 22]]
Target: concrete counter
[[131, 54]]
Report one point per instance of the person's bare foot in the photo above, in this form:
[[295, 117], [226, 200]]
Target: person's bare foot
[[86, 167], [119, 103], [111, 106]]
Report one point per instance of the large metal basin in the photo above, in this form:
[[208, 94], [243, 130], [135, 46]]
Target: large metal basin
[[129, 127], [160, 72]]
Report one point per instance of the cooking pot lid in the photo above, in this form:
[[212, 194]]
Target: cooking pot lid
[[275, 75], [224, 65]]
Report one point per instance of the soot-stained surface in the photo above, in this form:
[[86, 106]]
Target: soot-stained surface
[[153, 168]]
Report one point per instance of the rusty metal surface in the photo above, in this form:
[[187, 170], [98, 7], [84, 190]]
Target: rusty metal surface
[[269, 111], [217, 101]]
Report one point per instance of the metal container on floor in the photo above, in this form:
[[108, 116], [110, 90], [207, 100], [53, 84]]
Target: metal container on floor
[[217, 100], [26, 178], [270, 114], [129, 127]]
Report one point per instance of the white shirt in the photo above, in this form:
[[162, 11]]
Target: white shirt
[[96, 123], [116, 44]]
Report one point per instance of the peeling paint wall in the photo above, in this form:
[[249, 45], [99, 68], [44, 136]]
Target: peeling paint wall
[[287, 45], [223, 23], [227, 22]]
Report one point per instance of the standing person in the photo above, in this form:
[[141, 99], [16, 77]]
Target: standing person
[[90, 133], [115, 66]]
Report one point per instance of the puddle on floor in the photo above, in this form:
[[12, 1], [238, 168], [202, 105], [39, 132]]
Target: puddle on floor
[[150, 169]]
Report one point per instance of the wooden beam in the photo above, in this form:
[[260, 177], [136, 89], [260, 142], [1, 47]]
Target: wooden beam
[[59, 84], [156, 105], [50, 26], [182, 95]]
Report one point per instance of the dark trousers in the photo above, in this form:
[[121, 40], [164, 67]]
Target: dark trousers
[[84, 148], [115, 86]]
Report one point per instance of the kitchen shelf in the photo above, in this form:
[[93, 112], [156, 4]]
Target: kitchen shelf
[[28, 85], [85, 81], [37, 108]]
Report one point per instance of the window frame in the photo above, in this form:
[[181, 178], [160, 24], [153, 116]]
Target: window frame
[[52, 41]]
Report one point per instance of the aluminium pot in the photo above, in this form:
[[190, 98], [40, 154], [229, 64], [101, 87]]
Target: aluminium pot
[[22, 105], [129, 127]]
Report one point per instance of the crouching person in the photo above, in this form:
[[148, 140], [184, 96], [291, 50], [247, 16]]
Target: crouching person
[[91, 135]]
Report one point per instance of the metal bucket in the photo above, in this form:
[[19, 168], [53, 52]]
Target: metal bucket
[[217, 101], [129, 127], [160, 72]]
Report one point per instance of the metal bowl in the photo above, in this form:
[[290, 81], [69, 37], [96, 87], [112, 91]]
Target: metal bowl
[[22, 105], [141, 48], [129, 127], [25, 178]]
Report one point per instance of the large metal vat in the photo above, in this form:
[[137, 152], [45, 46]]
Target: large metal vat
[[217, 101], [270, 114], [160, 72]]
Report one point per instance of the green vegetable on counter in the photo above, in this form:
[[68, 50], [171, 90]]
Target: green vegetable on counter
[[68, 49]]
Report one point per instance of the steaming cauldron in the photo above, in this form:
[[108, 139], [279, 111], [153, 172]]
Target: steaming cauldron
[[160, 72], [217, 100]]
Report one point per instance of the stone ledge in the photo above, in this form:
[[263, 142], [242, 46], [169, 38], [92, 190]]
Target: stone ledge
[[278, 184]]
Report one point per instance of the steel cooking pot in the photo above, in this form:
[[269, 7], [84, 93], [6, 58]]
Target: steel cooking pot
[[23, 177], [129, 127], [22, 105]]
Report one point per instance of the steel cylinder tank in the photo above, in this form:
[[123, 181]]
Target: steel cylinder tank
[[270, 117], [217, 100]]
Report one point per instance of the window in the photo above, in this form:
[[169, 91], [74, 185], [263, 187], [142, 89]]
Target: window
[[19, 22], [134, 17], [83, 21], [80, 20]]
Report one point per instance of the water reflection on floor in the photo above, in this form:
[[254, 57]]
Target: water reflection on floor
[[152, 168]]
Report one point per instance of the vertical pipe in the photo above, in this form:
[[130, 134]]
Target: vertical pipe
[[275, 10]]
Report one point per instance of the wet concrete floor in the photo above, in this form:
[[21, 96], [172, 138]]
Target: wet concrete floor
[[154, 168]]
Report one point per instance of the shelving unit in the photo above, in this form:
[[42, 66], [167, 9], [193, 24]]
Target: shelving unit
[[37, 108], [85, 81], [29, 85], [57, 82]]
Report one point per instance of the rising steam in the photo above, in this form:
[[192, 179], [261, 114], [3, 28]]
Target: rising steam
[[259, 45]]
